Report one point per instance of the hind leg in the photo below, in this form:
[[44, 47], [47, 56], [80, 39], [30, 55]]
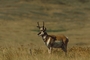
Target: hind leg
[[64, 48]]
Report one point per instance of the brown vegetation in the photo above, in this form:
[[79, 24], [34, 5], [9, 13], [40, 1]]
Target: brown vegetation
[[23, 53]]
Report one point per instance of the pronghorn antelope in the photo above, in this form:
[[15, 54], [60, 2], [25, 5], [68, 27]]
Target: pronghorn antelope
[[53, 41]]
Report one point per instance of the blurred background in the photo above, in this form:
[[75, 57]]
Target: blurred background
[[18, 21]]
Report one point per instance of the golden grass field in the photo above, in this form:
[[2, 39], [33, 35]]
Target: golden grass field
[[18, 31]]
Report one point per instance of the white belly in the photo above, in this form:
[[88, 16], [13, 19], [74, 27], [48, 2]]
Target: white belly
[[57, 44]]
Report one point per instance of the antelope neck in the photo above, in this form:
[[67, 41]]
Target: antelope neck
[[45, 34], [45, 37]]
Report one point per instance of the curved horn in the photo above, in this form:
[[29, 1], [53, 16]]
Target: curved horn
[[43, 25], [38, 25]]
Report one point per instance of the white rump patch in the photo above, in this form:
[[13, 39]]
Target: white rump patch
[[66, 37]]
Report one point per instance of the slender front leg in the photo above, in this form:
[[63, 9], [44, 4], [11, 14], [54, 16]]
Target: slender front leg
[[50, 50]]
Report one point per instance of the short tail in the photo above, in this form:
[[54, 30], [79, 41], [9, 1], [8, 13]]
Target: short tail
[[67, 40]]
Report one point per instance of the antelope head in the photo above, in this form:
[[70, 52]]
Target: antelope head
[[42, 29]]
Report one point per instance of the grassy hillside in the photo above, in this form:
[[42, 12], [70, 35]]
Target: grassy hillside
[[18, 31]]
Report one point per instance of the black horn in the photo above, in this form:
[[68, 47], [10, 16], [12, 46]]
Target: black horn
[[43, 26], [38, 25]]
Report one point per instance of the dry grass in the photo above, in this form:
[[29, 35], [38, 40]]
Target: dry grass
[[23, 53]]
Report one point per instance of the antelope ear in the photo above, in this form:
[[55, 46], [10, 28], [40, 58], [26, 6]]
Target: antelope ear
[[38, 27], [45, 29]]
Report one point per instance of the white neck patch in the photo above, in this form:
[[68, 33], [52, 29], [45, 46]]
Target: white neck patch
[[44, 37], [48, 41]]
